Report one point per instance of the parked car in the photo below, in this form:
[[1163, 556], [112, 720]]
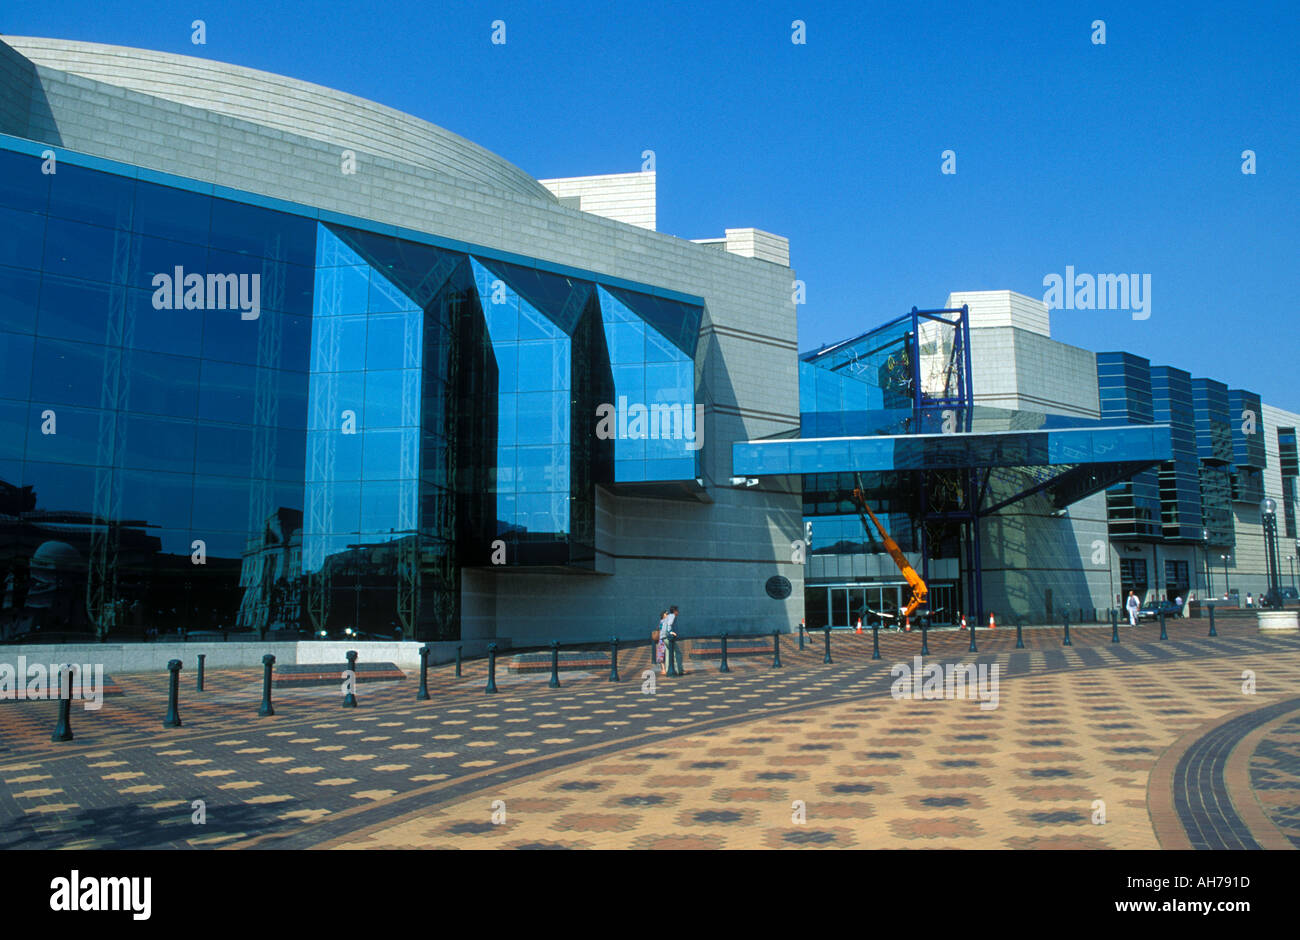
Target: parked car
[[1151, 610]]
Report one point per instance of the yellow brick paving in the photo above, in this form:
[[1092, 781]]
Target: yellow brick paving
[[877, 774]]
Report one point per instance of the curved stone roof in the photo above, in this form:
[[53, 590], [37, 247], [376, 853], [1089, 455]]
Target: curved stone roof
[[285, 104]]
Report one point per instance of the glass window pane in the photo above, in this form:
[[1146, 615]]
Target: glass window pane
[[85, 251], [162, 385], [22, 184], [177, 214], [90, 196], [15, 365], [70, 373], [77, 310], [21, 236], [147, 443], [19, 293]]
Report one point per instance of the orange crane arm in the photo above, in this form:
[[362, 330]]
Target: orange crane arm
[[919, 590]]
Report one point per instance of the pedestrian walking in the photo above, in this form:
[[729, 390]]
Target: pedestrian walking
[[1133, 606], [661, 639]]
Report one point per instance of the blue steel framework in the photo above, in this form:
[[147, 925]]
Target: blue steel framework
[[896, 406]]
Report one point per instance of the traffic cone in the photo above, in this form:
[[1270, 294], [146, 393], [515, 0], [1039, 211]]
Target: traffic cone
[[963, 621], [859, 626], [908, 621], [992, 625]]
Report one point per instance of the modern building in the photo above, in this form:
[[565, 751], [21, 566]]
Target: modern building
[[1024, 477], [273, 357]]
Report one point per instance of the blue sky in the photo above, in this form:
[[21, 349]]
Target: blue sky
[[1115, 158]]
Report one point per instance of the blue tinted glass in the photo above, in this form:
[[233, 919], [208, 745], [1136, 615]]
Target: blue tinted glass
[[229, 337], [60, 487], [227, 392], [22, 184], [70, 373], [172, 213], [221, 504], [154, 256], [19, 291], [85, 251], [295, 342], [387, 507], [246, 229], [223, 450], [90, 196], [146, 443], [393, 341], [77, 310], [290, 455], [339, 344], [392, 399], [391, 454], [385, 297], [21, 237], [291, 399], [81, 435], [342, 290], [163, 331], [162, 385], [333, 456], [158, 499], [543, 417], [15, 365], [13, 429]]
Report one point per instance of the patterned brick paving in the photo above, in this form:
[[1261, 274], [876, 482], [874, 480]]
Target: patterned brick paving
[[709, 760]]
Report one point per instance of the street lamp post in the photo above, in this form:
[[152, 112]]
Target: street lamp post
[[1205, 551], [1268, 515], [1227, 582]]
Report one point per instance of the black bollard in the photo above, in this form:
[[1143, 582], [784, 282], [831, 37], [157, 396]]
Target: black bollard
[[875, 640], [458, 649], [492, 669], [423, 694], [973, 624], [1020, 639], [267, 662], [925, 636], [1163, 634], [1067, 630], [1212, 630], [63, 730], [1114, 625], [827, 658], [722, 666], [350, 698], [555, 664], [801, 636], [173, 719], [202, 657], [613, 659], [776, 649], [672, 655]]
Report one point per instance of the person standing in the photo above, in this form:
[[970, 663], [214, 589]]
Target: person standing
[[661, 637], [665, 631], [1250, 601], [1133, 606]]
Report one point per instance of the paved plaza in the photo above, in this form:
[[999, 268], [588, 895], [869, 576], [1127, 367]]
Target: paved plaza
[[1192, 742]]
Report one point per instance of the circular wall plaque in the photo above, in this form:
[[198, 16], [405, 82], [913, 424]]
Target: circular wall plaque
[[778, 587]]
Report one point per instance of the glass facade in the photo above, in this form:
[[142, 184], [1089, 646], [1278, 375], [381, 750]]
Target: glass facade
[[1180, 488], [1215, 450], [1249, 458], [1124, 386], [1289, 466], [218, 412]]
